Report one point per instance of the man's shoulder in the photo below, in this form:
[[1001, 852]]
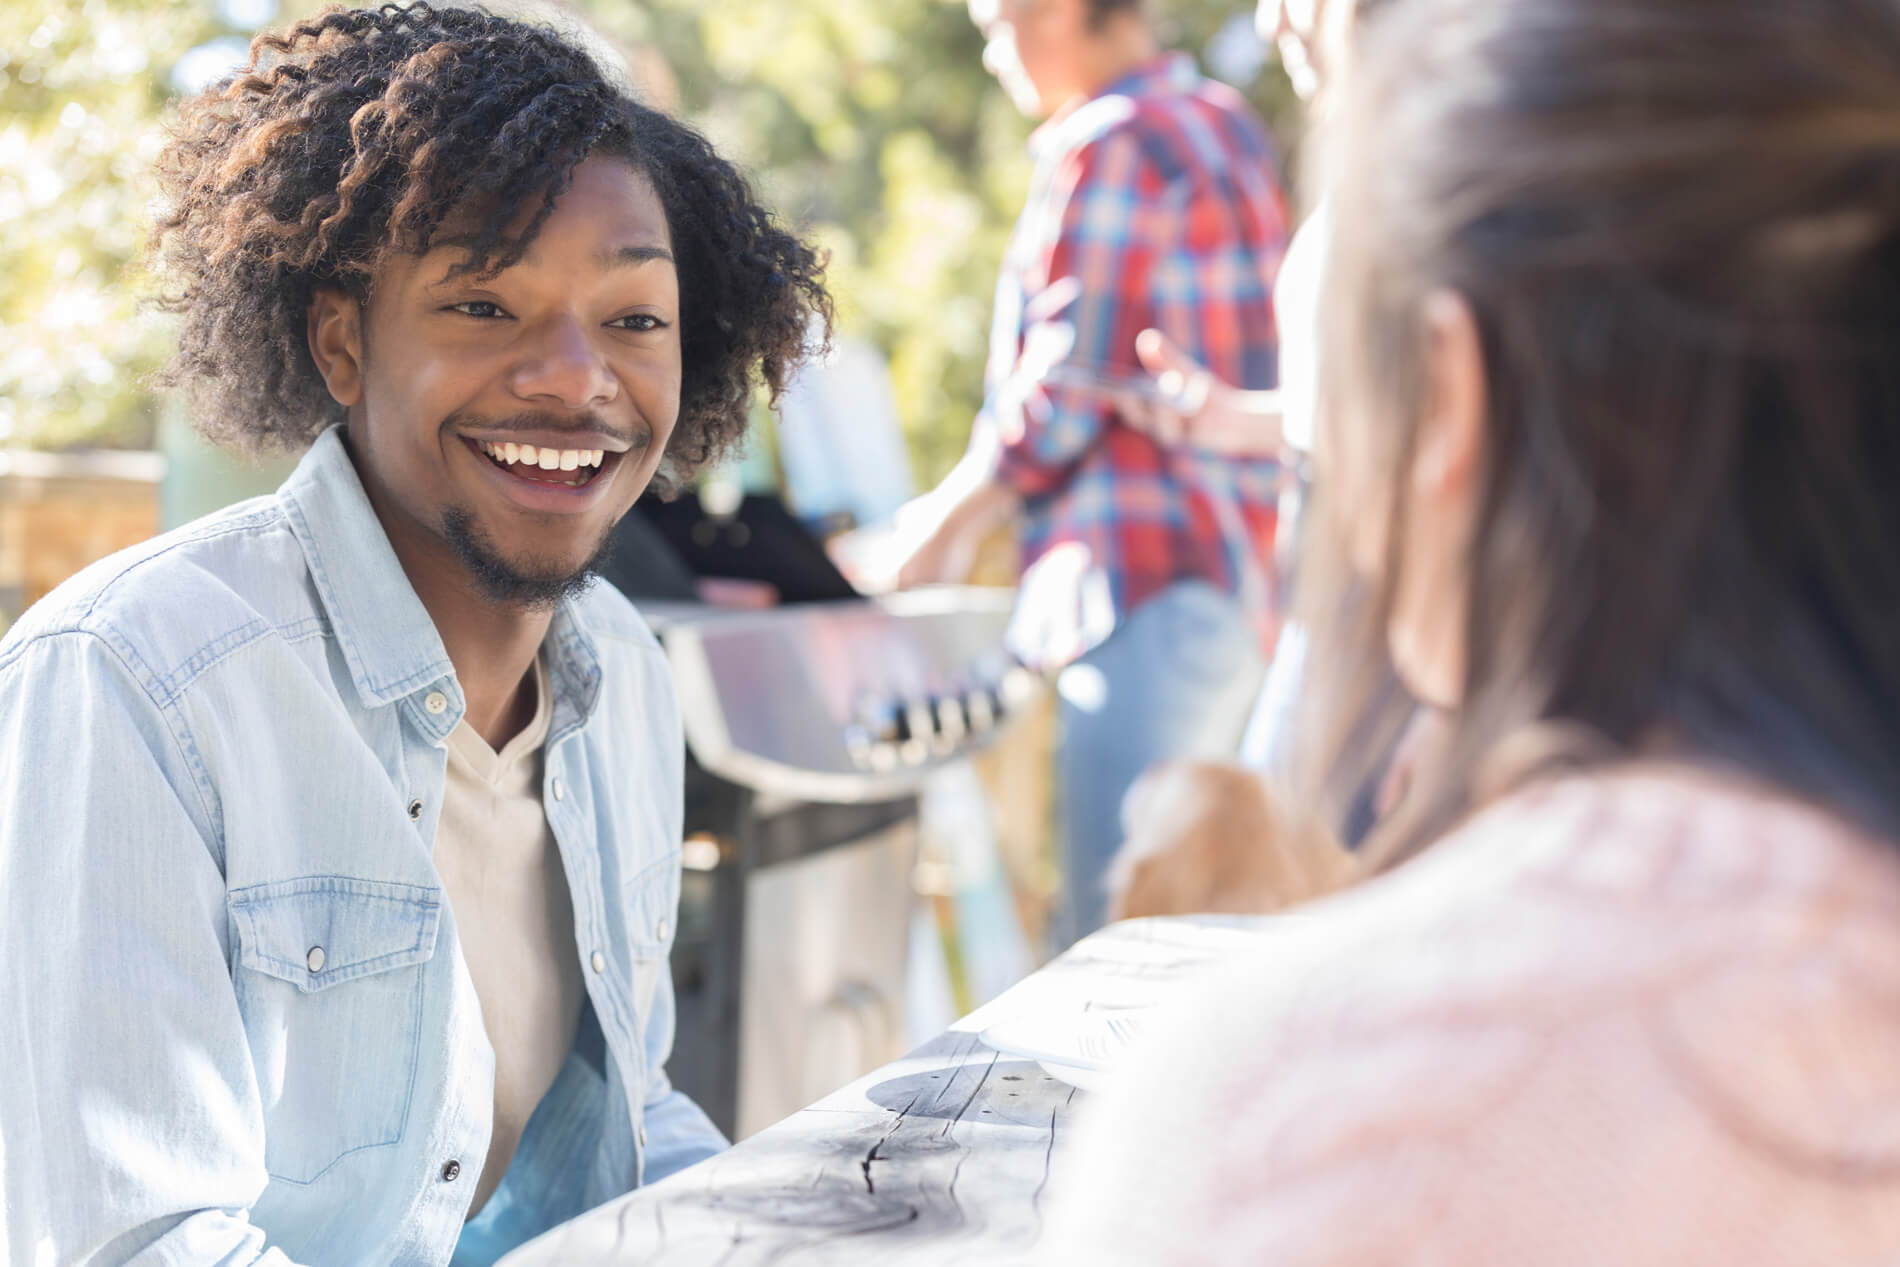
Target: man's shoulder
[[234, 574], [1173, 139]]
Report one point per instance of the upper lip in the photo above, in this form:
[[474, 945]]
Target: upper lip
[[555, 439]]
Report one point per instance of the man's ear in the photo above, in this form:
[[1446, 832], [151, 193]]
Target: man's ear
[[333, 324]]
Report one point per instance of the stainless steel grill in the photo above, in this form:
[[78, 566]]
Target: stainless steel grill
[[810, 726], [809, 729]]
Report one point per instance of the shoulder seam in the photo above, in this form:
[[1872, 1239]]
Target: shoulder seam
[[222, 530], [136, 669]]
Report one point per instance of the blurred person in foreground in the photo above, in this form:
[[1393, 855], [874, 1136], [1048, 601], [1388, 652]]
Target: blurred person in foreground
[[1615, 292], [340, 830], [1154, 203]]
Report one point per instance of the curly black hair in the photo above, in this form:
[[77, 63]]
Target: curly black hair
[[367, 131]]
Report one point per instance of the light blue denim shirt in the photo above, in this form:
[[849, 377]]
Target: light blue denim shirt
[[237, 1025]]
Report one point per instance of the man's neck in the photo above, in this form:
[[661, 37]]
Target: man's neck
[[1124, 44], [492, 645]]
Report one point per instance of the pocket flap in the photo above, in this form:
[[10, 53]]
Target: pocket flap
[[322, 930], [652, 905]]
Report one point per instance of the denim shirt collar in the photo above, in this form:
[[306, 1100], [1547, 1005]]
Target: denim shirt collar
[[386, 635]]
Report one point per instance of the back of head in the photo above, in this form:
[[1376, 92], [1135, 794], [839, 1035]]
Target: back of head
[[1676, 224]]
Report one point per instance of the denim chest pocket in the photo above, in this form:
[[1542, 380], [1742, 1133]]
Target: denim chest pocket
[[329, 980]]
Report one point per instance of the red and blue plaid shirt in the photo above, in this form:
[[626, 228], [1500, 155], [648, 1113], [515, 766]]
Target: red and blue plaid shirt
[[1155, 203]]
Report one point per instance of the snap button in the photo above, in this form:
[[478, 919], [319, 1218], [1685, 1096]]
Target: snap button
[[415, 810], [436, 702], [660, 930], [451, 1170], [314, 960], [599, 961], [558, 792]]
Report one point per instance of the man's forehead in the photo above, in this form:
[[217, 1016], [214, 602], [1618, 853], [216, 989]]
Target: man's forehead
[[608, 205]]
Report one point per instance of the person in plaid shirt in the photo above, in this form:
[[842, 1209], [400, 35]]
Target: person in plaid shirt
[[1155, 204]]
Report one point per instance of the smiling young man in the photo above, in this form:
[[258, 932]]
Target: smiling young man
[[339, 832]]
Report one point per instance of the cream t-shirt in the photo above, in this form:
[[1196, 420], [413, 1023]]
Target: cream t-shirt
[[506, 887]]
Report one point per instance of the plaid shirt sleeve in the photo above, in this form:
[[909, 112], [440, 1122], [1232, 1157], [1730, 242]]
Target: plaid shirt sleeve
[[1093, 246]]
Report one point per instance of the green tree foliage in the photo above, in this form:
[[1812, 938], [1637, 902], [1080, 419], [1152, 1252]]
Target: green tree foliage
[[870, 123], [874, 124], [82, 90]]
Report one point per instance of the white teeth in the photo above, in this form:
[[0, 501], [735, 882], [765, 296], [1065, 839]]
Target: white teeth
[[544, 458]]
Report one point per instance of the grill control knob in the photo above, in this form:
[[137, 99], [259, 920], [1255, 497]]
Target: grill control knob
[[920, 719], [952, 723], [980, 711]]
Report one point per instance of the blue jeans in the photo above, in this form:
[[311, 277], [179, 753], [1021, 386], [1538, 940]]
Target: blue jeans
[[1177, 678]]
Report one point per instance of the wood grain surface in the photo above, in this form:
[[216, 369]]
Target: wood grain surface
[[942, 1157]]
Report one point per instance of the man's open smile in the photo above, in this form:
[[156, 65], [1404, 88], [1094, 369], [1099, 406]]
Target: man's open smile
[[544, 477]]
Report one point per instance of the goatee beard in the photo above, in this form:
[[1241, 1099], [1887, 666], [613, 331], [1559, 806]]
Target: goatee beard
[[502, 582]]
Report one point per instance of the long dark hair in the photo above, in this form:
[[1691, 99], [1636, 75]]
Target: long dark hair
[[1677, 225]]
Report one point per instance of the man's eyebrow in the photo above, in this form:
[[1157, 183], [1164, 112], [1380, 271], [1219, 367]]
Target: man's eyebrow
[[629, 256]]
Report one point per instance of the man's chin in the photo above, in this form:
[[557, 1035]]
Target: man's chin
[[528, 581], [531, 591]]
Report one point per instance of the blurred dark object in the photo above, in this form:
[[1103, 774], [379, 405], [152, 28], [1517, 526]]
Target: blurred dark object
[[662, 548], [644, 563]]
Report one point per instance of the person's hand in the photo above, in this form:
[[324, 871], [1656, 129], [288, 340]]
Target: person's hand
[[931, 540], [941, 556], [1189, 405]]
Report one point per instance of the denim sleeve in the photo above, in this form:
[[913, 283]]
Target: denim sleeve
[[678, 1132], [128, 1106]]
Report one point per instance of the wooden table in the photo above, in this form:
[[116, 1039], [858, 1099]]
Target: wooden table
[[940, 1158]]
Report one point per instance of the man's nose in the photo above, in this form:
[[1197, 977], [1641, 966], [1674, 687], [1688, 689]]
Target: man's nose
[[564, 364]]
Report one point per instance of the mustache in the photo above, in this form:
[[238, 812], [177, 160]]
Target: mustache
[[580, 426]]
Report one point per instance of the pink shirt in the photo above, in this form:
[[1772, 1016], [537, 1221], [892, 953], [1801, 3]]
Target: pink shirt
[[1645, 1018]]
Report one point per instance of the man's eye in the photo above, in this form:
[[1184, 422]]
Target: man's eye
[[477, 308], [640, 322]]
